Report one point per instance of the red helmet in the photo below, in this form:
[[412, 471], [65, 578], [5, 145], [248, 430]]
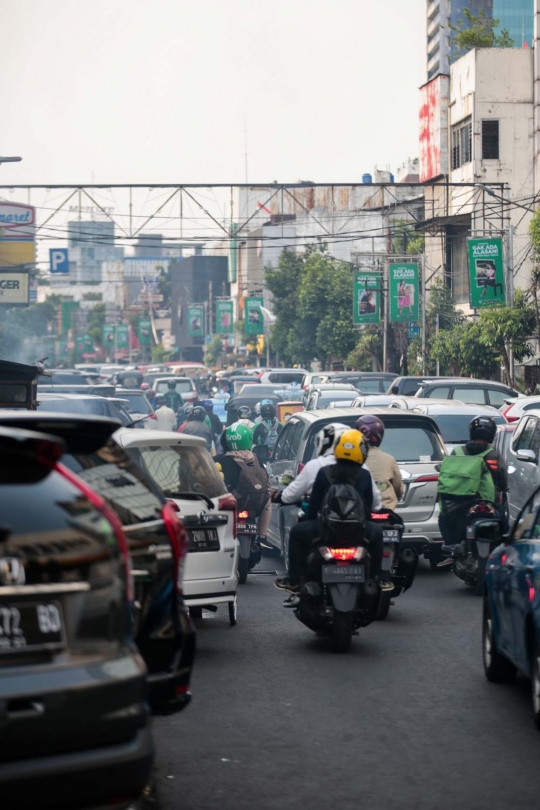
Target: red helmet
[[372, 428]]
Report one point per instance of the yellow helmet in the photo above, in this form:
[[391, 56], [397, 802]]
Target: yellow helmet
[[352, 446]]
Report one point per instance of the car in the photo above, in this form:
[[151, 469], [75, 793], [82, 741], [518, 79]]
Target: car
[[340, 403], [318, 398], [183, 385], [185, 473], [107, 372], [246, 399], [262, 390], [238, 372], [367, 382], [408, 386], [515, 408], [156, 543], [82, 404], [471, 391], [503, 438], [373, 400], [237, 383], [511, 608], [284, 376], [522, 457], [64, 376], [453, 419], [415, 442], [140, 410], [75, 721]]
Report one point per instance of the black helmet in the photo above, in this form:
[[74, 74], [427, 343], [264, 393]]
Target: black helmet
[[482, 428], [171, 384], [198, 414], [372, 428], [268, 411]]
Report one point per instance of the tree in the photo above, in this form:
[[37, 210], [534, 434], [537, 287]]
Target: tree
[[289, 338], [478, 31], [502, 327], [214, 352], [96, 322]]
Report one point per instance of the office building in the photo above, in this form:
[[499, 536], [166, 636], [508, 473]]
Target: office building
[[90, 244]]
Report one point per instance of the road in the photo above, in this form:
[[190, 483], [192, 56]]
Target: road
[[406, 719]]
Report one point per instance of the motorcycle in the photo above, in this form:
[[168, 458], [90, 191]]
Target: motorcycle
[[470, 556], [401, 565], [250, 548]]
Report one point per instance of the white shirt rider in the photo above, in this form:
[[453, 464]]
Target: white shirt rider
[[303, 484]]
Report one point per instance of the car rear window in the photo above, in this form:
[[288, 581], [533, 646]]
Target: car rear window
[[137, 402], [67, 379], [472, 396], [455, 427], [286, 377], [96, 407], [179, 469], [182, 386]]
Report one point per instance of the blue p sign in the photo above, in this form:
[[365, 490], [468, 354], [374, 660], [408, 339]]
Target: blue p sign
[[59, 260]]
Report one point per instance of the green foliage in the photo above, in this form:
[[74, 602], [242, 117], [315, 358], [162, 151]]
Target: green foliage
[[214, 352], [159, 354], [368, 353], [406, 241], [96, 321], [478, 31]]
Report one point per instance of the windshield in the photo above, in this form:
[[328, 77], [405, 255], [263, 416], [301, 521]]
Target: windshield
[[455, 427], [182, 386], [335, 396], [179, 469], [137, 402]]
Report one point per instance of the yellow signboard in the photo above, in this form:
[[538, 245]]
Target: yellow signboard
[[16, 253]]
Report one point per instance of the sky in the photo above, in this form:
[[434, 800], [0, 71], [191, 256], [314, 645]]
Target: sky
[[132, 91]]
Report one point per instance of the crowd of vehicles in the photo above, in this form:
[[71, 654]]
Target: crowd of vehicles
[[135, 530]]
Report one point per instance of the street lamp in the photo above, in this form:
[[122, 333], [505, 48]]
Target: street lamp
[[10, 159]]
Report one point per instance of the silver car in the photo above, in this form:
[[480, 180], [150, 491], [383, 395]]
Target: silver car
[[522, 455], [413, 439], [454, 418]]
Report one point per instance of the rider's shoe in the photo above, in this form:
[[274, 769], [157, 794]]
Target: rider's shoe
[[284, 584]]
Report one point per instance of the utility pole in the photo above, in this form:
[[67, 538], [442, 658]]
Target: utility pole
[[386, 298], [536, 76], [424, 307]]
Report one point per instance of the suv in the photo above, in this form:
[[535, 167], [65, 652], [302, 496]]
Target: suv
[[407, 386], [138, 407], [322, 397], [522, 457], [183, 386], [157, 545], [414, 441], [469, 391], [283, 376], [75, 726], [367, 382]]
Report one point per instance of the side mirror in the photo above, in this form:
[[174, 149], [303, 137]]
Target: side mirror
[[489, 531], [527, 455]]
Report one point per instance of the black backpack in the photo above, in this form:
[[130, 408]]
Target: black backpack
[[343, 514], [251, 491]]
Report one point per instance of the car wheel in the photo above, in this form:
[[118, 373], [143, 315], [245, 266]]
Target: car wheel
[[497, 668], [195, 612], [243, 570], [232, 612]]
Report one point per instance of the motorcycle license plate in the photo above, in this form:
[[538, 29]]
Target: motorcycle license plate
[[203, 540], [390, 535], [343, 573], [246, 528], [31, 627]]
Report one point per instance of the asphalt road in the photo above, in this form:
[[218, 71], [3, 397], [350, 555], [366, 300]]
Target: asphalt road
[[406, 719]]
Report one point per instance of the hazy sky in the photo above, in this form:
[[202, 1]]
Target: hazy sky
[[154, 91]]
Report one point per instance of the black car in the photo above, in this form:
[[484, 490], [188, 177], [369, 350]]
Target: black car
[[83, 404], [367, 382], [74, 717], [156, 540], [248, 399]]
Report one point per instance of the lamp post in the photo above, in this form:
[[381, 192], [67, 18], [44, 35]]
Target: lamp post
[[10, 159]]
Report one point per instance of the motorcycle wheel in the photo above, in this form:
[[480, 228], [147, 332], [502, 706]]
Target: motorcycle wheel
[[341, 633], [497, 668], [243, 570], [384, 606]]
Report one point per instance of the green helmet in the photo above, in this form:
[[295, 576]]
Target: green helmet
[[239, 437]]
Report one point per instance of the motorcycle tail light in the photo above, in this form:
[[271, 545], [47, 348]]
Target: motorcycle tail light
[[481, 509], [343, 554], [243, 515], [178, 537], [380, 516], [228, 504]]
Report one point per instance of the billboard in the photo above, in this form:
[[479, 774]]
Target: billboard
[[145, 332], [403, 292], [367, 298], [17, 234], [14, 288], [108, 335], [196, 320], [254, 319], [434, 128], [486, 272], [224, 317], [122, 337]]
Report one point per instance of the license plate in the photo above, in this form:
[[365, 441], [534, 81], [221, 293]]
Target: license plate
[[30, 627], [343, 573], [203, 540], [390, 535], [246, 528]]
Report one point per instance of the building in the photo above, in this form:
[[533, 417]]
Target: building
[[90, 244], [515, 15], [477, 130]]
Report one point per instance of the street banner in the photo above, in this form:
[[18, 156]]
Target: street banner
[[196, 320], [224, 317], [486, 272], [108, 335], [367, 298], [122, 337], [254, 319], [145, 332], [79, 344], [403, 292]]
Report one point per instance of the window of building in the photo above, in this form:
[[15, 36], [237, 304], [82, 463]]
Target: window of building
[[461, 143], [490, 140]]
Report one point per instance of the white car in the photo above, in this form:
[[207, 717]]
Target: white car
[[185, 473], [183, 386], [138, 407], [514, 409]]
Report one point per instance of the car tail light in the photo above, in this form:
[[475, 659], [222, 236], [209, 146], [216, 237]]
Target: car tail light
[[425, 478], [178, 537], [101, 505], [243, 515], [512, 418], [174, 505], [228, 504], [505, 410]]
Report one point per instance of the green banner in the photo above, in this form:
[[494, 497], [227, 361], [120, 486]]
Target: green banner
[[122, 337], [254, 319], [79, 344], [403, 292], [145, 333], [196, 320], [367, 298], [108, 335], [224, 318], [84, 345], [486, 272]]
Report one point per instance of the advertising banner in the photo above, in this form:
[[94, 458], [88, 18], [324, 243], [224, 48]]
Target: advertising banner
[[254, 319], [108, 335], [196, 320], [14, 289], [403, 292], [145, 332], [17, 234], [122, 337], [486, 272], [367, 298], [224, 317]]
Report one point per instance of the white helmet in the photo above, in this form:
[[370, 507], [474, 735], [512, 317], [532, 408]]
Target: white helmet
[[327, 438]]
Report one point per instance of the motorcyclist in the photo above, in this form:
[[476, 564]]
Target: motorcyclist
[[238, 441], [494, 483], [216, 424], [325, 444], [165, 416], [172, 398], [269, 428], [350, 452], [382, 466], [196, 426], [258, 406], [244, 417]]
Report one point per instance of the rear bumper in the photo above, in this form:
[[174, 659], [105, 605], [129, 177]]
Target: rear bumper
[[83, 779], [210, 591]]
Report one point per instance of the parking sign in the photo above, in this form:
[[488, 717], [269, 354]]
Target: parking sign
[[59, 260]]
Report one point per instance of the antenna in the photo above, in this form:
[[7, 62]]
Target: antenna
[[245, 151]]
